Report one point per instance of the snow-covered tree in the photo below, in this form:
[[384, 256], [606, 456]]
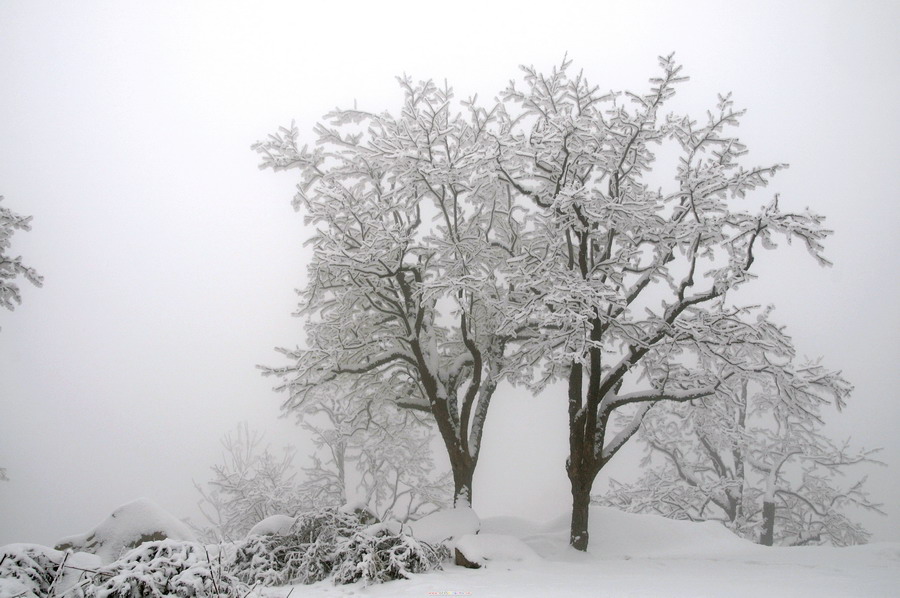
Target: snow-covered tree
[[533, 241], [412, 231], [625, 271], [12, 267], [250, 484], [384, 450], [745, 458]]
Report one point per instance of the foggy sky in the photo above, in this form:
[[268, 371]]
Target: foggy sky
[[170, 260]]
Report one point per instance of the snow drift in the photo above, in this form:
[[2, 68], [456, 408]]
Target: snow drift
[[445, 525], [650, 556], [629, 555], [616, 534]]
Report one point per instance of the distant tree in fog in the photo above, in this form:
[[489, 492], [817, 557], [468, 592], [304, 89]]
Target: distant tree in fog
[[12, 267], [250, 484], [364, 453], [754, 457], [381, 452]]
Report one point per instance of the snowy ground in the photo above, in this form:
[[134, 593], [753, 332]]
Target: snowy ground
[[644, 556]]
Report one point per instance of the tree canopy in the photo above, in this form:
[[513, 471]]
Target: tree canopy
[[534, 240]]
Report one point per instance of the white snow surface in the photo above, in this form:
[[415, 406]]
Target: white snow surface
[[125, 527], [445, 525], [489, 549], [276, 525], [643, 556]]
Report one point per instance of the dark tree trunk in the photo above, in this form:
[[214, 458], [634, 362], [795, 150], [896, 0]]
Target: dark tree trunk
[[462, 465], [463, 471], [581, 502], [767, 537], [580, 466]]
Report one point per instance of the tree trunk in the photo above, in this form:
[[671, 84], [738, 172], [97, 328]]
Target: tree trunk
[[767, 537], [581, 502], [463, 471]]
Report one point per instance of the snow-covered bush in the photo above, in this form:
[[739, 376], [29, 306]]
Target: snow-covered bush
[[337, 543], [376, 554], [34, 571], [304, 554], [26, 570], [166, 568]]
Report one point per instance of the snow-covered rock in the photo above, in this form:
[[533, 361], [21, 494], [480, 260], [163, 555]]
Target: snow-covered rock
[[445, 525], [276, 525], [127, 527], [484, 548]]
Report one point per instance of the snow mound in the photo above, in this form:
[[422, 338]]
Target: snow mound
[[445, 525], [128, 527], [512, 526], [657, 558], [276, 525], [616, 534], [483, 548]]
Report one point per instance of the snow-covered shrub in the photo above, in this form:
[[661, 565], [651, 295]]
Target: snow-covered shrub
[[26, 570], [377, 554], [34, 571], [166, 568], [304, 554], [337, 543]]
